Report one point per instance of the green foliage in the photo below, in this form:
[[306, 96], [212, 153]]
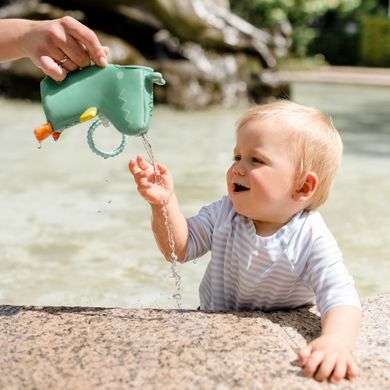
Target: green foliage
[[340, 32], [272, 14], [375, 42], [303, 15]]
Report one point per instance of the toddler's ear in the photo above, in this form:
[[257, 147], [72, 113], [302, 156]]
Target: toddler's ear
[[306, 189]]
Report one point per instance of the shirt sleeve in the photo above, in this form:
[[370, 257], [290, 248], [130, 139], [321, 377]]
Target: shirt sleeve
[[201, 227], [329, 277]]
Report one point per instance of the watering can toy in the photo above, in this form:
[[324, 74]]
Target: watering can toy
[[122, 95]]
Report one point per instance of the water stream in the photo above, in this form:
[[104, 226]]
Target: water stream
[[171, 238], [74, 230]]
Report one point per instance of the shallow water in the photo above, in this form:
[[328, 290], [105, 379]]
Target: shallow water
[[74, 230]]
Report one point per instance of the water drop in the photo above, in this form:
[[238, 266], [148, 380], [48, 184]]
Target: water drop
[[176, 296]]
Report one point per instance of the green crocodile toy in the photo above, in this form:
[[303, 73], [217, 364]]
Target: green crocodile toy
[[122, 95]]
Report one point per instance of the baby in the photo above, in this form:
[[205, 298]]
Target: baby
[[270, 247]]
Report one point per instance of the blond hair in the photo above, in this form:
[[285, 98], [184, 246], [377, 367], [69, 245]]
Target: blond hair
[[314, 141]]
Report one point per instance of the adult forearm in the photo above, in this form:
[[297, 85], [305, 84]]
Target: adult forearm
[[11, 32], [170, 229]]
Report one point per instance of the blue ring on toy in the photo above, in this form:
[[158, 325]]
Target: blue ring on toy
[[99, 152]]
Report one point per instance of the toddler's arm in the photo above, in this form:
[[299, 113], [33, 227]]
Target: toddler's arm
[[158, 194], [330, 355]]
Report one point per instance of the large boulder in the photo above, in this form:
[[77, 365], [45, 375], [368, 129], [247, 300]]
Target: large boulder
[[207, 54]]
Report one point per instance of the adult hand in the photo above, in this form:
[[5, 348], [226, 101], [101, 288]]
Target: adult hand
[[56, 46]]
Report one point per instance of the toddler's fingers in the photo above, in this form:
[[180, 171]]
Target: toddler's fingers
[[145, 193], [304, 354], [339, 371], [142, 163], [148, 195], [133, 167], [313, 363], [162, 168], [143, 181], [352, 370], [325, 368], [140, 177]]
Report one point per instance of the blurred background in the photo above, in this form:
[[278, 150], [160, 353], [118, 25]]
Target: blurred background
[[74, 231]]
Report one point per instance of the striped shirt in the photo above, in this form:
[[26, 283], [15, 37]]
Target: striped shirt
[[300, 264]]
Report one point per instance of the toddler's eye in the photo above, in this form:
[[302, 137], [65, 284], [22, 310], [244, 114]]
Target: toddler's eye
[[236, 158], [257, 161]]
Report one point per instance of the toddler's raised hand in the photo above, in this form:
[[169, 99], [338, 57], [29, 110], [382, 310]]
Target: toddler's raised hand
[[154, 190]]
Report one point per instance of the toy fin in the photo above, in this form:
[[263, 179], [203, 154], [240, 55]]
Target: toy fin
[[44, 131], [56, 135], [88, 114]]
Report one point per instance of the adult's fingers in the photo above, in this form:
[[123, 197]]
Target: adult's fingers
[[68, 64], [86, 37], [51, 68], [77, 56]]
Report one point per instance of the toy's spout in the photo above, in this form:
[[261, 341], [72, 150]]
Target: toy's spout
[[44, 131], [156, 78]]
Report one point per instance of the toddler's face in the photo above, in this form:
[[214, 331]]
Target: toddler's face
[[261, 180]]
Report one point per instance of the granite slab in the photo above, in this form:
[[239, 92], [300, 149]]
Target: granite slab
[[113, 348]]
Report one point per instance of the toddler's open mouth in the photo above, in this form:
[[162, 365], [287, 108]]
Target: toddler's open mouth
[[239, 188]]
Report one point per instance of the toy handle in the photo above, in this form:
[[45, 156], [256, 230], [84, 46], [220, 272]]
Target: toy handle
[[99, 152]]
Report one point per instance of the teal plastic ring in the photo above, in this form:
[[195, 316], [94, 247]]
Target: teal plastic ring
[[103, 153]]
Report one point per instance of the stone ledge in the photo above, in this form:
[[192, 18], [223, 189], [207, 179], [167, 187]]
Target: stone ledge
[[98, 348]]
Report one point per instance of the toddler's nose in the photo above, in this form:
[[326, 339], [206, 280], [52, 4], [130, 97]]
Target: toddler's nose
[[238, 170]]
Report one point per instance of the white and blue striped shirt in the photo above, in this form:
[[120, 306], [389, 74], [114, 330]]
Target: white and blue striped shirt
[[300, 264]]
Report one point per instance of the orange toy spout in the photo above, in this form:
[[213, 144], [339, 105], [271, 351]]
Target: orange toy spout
[[44, 131]]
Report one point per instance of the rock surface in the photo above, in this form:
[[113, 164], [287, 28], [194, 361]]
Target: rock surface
[[98, 348]]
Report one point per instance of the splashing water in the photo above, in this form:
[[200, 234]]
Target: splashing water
[[171, 239]]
